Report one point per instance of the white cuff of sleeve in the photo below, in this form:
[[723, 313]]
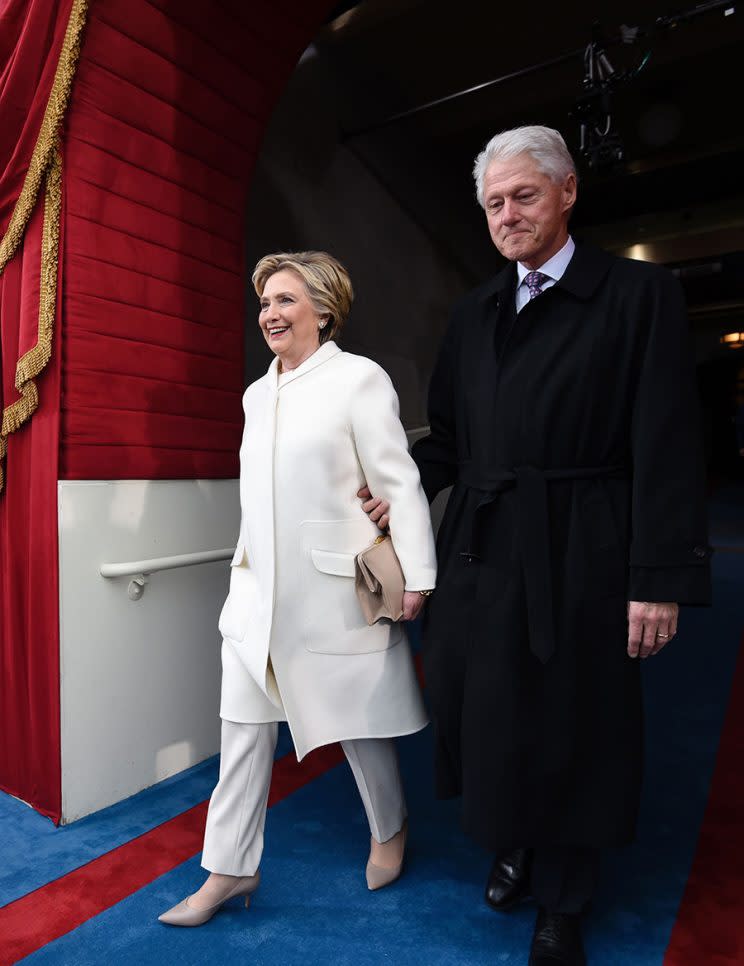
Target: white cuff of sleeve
[[425, 580]]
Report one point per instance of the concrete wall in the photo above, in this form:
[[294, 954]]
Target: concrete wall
[[310, 190]]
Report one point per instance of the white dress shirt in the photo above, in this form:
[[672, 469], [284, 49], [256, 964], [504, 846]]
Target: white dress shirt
[[553, 268]]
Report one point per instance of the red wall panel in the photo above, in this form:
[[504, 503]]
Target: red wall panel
[[169, 106]]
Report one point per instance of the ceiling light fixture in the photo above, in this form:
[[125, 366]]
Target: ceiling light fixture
[[733, 340]]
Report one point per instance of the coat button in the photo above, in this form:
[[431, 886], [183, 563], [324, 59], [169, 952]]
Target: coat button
[[700, 552]]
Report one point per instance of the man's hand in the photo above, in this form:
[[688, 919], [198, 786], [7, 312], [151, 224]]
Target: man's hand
[[650, 627], [413, 601], [377, 510]]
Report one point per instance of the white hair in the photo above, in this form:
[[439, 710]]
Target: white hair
[[544, 145]]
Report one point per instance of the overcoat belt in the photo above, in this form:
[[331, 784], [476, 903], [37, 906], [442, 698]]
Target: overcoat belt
[[533, 528]]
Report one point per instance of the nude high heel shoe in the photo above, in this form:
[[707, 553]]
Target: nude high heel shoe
[[378, 875], [185, 915]]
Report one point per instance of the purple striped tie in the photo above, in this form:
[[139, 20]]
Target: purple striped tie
[[535, 281]]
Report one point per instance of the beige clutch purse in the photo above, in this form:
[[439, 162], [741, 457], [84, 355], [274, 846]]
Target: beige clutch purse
[[379, 581]]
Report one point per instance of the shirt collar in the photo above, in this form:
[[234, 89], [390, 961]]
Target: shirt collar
[[554, 267]]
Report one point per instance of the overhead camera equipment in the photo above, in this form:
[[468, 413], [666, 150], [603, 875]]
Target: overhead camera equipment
[[599, 143]]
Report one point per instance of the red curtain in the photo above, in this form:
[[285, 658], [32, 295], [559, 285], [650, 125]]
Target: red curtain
[[169, 105], [31, 35], [29, 597]]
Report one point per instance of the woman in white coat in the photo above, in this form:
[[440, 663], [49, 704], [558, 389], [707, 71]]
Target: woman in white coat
[[319, 426]]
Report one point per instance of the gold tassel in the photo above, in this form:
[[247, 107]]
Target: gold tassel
[[45, 168], [46, 143], [33, 362]]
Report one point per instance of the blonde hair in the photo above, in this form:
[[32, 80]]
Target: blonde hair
[[326, 280]]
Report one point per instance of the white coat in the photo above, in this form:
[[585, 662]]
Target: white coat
[[296, 646]]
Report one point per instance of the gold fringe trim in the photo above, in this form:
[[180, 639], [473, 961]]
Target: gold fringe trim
[[45, 168], [33, 362], [46, 143]]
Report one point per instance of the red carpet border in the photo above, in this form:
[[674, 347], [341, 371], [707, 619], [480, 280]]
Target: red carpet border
[[709, 928], [61, 906]]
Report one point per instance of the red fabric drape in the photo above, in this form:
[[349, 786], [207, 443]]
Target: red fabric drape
[[31, 34], [29, 596]]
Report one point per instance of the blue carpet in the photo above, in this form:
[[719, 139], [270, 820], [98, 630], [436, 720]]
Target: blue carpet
[[313, 906], [57, 851]]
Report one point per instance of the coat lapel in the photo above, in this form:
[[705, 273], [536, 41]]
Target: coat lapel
[[585, 271], [498, 287]]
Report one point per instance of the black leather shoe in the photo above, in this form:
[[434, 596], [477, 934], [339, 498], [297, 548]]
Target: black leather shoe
[[509, 879], [557, 940]]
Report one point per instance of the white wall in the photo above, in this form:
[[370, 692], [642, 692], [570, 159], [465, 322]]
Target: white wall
[[139, 679]]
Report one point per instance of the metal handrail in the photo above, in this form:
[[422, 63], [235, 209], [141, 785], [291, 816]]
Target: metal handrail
[[154, 564], [140, 570], [416, 433]]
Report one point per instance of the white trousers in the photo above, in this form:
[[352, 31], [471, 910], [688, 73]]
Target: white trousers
[[233, 840]]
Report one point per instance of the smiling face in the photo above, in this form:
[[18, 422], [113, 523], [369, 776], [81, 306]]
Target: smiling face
[[288, 320], [527, 211]]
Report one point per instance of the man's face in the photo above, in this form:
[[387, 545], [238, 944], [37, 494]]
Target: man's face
[[527, 212]]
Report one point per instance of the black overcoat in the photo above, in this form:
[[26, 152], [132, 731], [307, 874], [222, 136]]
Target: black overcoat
[[571, 435]]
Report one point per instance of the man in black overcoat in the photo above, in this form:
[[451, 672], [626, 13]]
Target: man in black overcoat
[[563, 412]]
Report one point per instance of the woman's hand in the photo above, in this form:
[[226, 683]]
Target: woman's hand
[[377, 510], [413, 601]]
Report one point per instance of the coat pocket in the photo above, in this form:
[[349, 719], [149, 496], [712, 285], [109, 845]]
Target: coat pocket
[[332, 620], [337, 564]]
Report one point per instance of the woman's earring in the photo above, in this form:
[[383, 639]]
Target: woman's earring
[[321, 325]]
